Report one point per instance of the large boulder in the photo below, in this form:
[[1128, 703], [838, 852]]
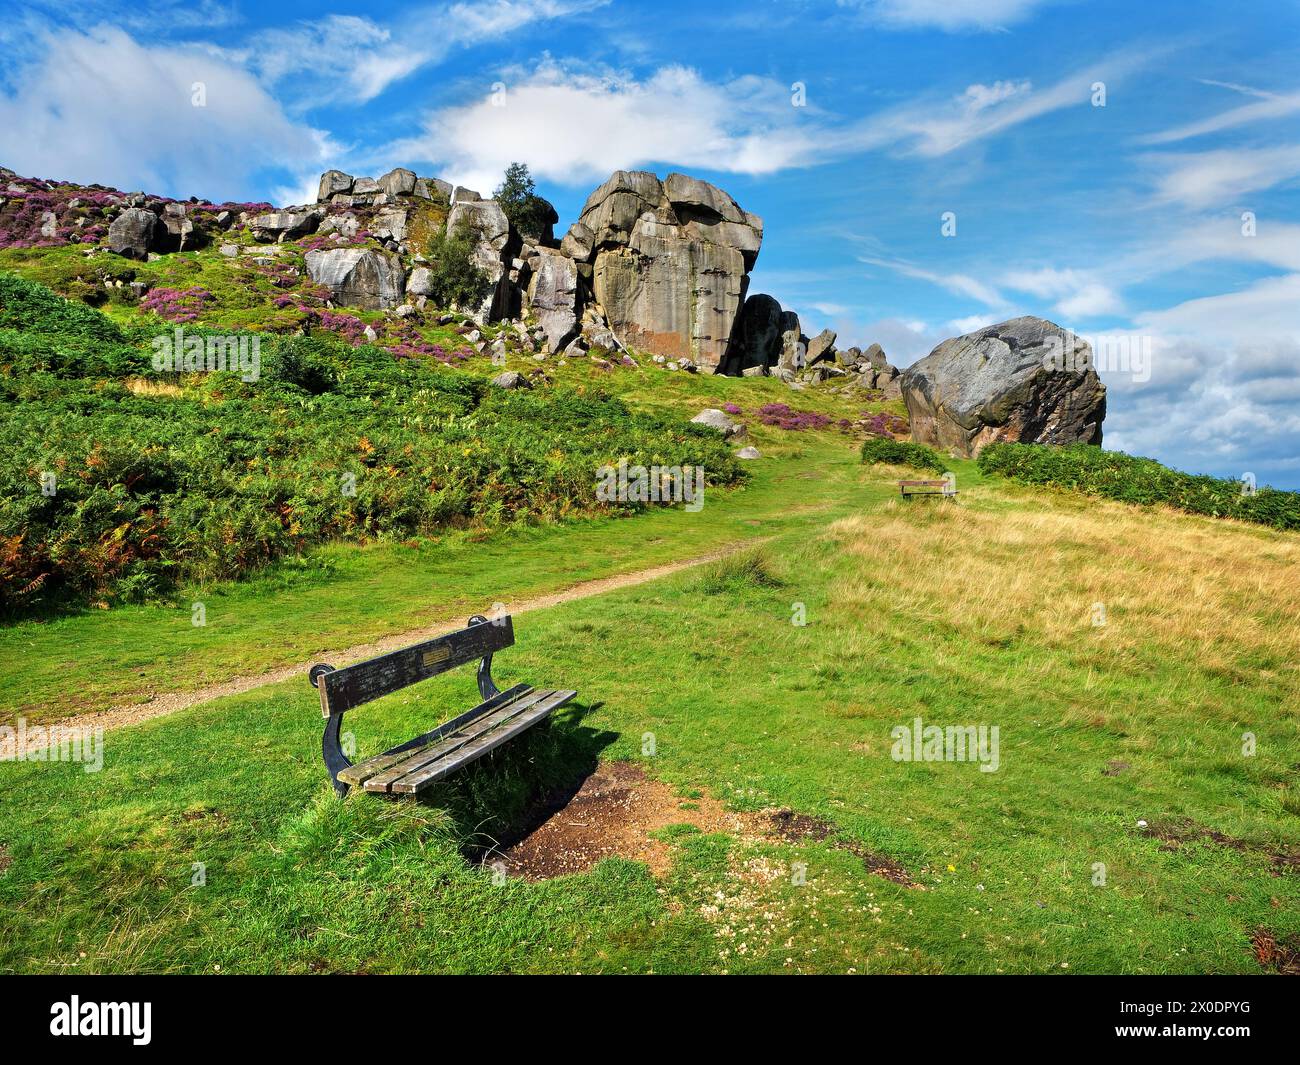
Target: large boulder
[[178, 232], [286, 224], [358, 277], [759, 335], [134, 233], [671, 262], [1025, 380], [578, 243], [332, 183], [399, 182], [553, 297], [821, 348]]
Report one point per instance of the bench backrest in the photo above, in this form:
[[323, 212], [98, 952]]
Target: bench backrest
[[343, 689]]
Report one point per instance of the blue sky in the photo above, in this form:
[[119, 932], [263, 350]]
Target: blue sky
[[1128, 222]]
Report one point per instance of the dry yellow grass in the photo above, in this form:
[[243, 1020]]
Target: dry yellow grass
[[1219, 594]]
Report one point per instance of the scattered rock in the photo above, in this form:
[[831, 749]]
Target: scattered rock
[[420, 283], [511, 379], [716, 419], [749, 452]]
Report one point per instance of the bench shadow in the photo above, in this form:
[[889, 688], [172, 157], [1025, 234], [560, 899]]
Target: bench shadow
[[510, 795]]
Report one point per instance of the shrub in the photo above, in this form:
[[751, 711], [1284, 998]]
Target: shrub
[[210, 477], [455, 280], [1129, 479], [902, 453]]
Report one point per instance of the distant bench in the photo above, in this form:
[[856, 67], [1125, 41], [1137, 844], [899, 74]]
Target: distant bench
[[944, 488], [410, 767]]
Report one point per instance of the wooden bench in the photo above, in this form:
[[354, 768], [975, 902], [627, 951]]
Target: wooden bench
[[944, 488], [410, 767]]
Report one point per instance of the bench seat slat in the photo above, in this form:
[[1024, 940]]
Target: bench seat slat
[[450, 742], [508, 729], [362, 771]]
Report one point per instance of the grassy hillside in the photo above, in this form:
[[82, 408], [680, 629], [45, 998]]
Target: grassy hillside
[[1139, 664], [1121, 747]]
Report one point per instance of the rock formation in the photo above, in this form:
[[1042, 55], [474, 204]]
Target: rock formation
[[670, 262], [358, 277], [661, 266], [1024, 380]]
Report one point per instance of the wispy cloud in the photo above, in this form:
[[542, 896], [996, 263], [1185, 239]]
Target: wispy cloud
[[950, 15], [1267, 107], [1220, 178], [1076, 294], [353, 59], [958, 284], [931, 128]]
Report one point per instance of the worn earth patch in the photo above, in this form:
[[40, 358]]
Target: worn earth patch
[[617, 810], [612, 815], [1175, 831], [796, 828]]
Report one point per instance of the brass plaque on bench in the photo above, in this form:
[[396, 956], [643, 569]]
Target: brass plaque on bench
[[360, 683]]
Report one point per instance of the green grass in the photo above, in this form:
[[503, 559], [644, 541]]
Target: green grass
[[771, 679], [342, 595], [754, 711]]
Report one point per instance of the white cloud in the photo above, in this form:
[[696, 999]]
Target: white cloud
[[1268, 107], [951, 15], [1077, 295], [960, 284], [350, 58], [339, 57], [1264, 311], [1222, 177], [574, 127], [100, 107], [978, 97], [933, 128], [961, 326], [1225, 378], [1275, 243]]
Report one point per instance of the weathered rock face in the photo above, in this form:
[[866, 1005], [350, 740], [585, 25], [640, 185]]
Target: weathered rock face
[[1024, 380], [358, 277], [671, 262], [133, 233], [285, 225], [758, 335], [553, 296]]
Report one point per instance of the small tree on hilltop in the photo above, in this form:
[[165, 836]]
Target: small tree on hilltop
[[517, 195]]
